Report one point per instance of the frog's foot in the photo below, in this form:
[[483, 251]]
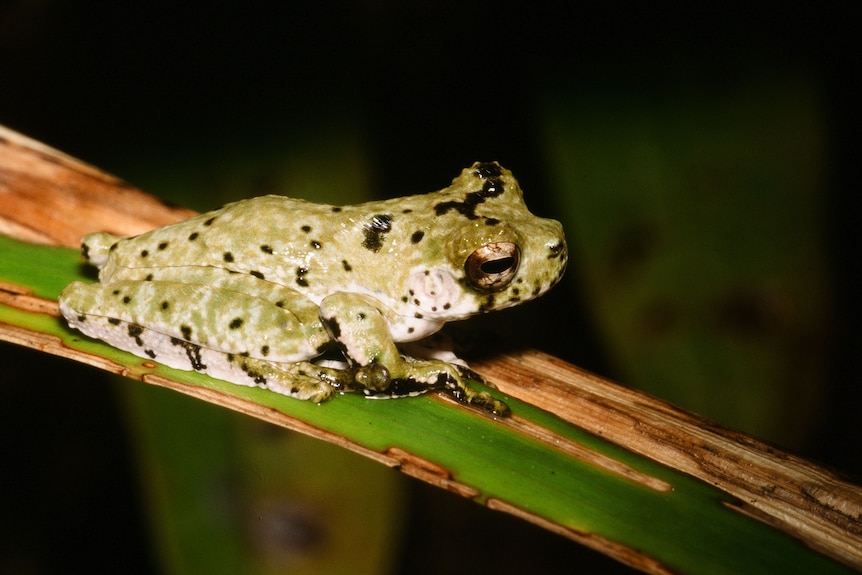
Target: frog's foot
[[300, 380], [464, 393], [452, 379], [438, 347], [305, 380]]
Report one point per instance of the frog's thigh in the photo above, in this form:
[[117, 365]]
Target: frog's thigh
[[211, 317], [184, 334]]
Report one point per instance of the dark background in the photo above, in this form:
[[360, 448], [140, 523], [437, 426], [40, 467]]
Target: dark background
[[437, 85]]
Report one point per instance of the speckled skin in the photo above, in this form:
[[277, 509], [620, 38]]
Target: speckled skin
[[252, 292]]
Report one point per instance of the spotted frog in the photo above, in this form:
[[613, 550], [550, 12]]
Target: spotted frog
[[255, 293]]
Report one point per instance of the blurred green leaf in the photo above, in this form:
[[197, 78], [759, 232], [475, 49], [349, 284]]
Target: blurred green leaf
[[695, 218]]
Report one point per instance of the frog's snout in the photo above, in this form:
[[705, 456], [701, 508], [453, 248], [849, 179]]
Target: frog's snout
[[558, 250], [558, 253]]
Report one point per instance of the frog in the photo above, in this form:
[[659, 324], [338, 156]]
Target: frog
[[266, 291]]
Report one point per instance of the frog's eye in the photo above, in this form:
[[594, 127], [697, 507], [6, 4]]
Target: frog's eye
[[493, 266]]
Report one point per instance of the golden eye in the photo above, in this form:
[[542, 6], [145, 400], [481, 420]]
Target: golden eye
[[493, 266]]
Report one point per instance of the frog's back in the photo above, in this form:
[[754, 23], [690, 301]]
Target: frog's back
[[273, 233], [391, 249]]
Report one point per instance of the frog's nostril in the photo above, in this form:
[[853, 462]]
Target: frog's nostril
[[556, 249]]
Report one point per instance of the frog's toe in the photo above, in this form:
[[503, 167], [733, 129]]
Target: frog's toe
[[372, 377], [466, 373], [487, 402], [458, 388], [302, 386]]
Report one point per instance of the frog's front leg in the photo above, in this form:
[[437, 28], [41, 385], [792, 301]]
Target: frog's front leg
[[359, 324]]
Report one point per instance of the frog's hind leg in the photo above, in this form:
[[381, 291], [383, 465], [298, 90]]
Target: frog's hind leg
[[299, 380], [241, 338]]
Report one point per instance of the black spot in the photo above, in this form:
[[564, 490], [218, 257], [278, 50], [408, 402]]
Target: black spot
[[127, 299], [83, 318], [488, 170], [333, 327], [315, 244], [417, 315], [113, 321], [346, 265], [361, 316], [144, 253], [447, 305], [256, 376], [491, 221], [264, 350], [300, 277], [116, 292], [209, 221], [374, 230], [256, 274], [163, 246], [193, 352], [411, 329], [186, 331], [487, 304], [279, 303], [149, 278], [165, 305], [193, 236], [405, 299], [336, 209], [406, 211], [85, 251], [266, 249], [135, 332], [306, 229], [467, 207], [228, 257], [417, 236], [113, 246], [150, 353], [235, 323]]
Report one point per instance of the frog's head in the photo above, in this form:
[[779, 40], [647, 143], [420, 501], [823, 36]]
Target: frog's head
[[506, 254]]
